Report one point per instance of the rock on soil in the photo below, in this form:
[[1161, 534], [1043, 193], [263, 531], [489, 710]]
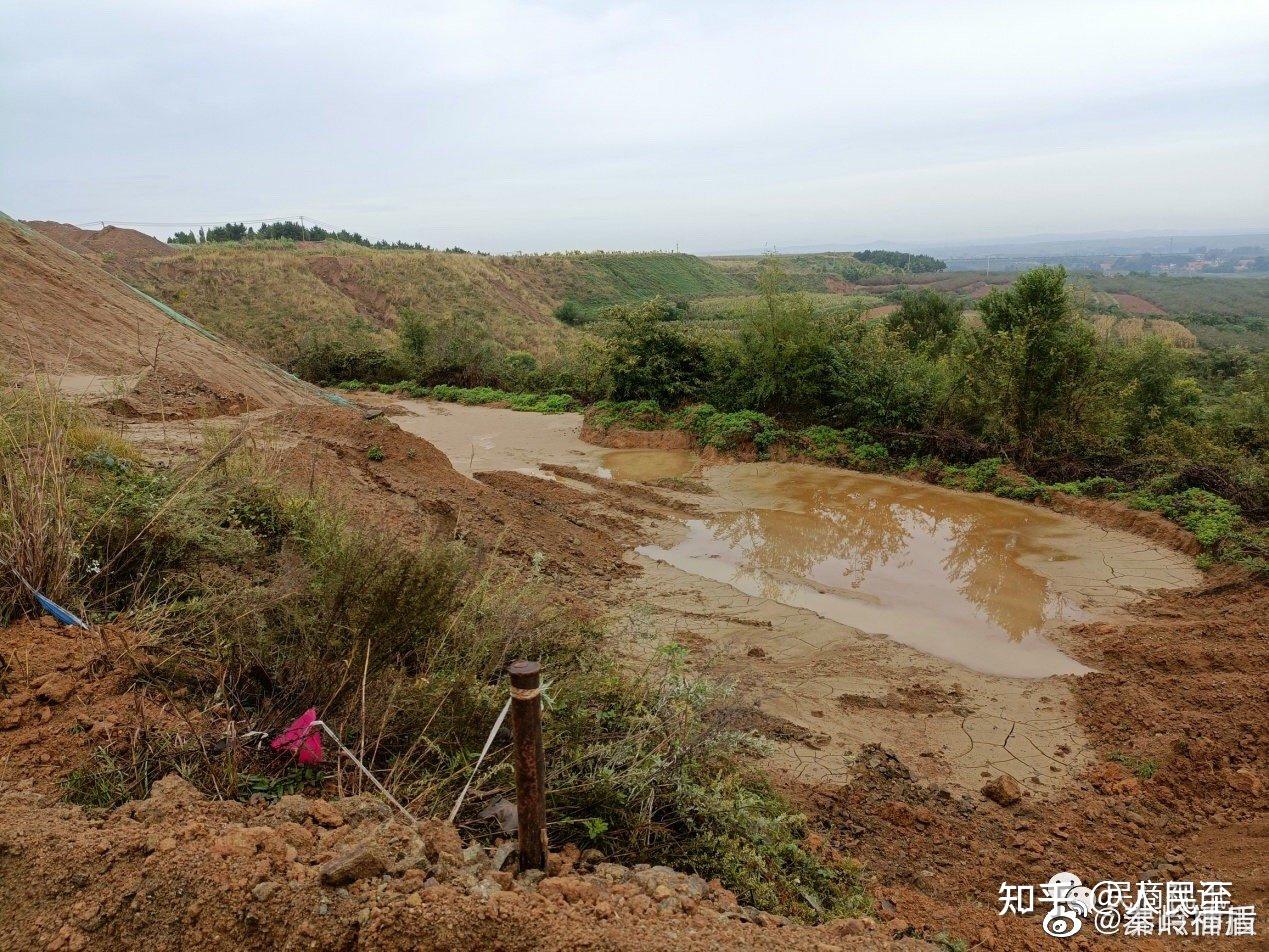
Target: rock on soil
[[179, 871], [1003, 790]]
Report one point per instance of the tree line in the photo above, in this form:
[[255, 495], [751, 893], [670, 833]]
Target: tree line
[[291, 231]]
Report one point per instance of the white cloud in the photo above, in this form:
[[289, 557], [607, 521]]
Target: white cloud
[[506, 124]]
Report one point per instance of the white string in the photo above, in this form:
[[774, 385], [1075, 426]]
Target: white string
[[480, 760], [362, 767]]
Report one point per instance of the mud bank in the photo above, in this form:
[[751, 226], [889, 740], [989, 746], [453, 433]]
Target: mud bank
[[844, 608]]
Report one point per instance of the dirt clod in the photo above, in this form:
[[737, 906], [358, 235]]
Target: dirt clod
[[360, 862], [1003, 790]]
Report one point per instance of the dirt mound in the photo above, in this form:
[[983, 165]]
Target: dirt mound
[[171, 395], [65, 693], [176, 871], [401, 483], [61, 314], [621, 438], [110, 246]]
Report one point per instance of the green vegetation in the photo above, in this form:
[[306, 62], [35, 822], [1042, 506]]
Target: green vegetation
[[480, 396], [337, 310], [288, 231], [903, 261], [1023, 402], [1143, 768], [260, 601], [1222, 312], [730, 311]]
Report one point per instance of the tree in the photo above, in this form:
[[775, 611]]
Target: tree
[[650, 359], [927, 319], [785, 352], [1028, 366], [1156, 388]]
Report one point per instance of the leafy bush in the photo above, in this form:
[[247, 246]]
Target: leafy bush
[[529, 402], [648, 358], [327, 361], [730, 431], [1211, 518], [570, 313], [629, 414]]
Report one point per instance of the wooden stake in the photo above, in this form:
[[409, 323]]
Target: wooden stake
[[526, 725]]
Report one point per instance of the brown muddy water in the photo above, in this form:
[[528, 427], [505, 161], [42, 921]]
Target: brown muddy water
[[968, 578], [958, 576]]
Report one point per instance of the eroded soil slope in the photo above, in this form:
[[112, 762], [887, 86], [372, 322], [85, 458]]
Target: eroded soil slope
[[62, 314]]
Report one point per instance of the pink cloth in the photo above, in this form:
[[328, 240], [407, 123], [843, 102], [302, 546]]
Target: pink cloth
[[302, 739]]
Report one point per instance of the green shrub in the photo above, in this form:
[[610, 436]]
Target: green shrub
[[571, 313], [630, 415], [730, 431], [529, 402]]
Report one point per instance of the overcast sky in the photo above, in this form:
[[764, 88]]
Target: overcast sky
[[511, 126]]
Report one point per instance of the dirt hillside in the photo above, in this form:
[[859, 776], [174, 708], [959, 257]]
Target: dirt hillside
[[62, 314], [111, 246]]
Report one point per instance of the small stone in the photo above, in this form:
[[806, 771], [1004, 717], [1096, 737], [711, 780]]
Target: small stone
[[1003, 790], [359, 862], [265, 889], [56, 688], [484, 889], [501, 854], [362, 808], [613, 871]]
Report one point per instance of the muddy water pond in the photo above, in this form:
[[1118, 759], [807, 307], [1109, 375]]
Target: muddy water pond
[[968, 578]]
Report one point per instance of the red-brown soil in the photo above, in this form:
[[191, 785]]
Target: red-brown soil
[[1137, 305], [177, 871], [1179, 693], [62, 314], [1115, 515], [168, 395], [111, 246], [621, 438], [403, 485]]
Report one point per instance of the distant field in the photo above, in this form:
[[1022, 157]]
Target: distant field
[[738, 306], [1219, 312], [809, 272]]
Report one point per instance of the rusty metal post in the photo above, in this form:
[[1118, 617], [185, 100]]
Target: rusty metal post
[[526, 725]]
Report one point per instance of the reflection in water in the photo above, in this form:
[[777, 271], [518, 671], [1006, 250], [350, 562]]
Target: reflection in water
[[948, 573]]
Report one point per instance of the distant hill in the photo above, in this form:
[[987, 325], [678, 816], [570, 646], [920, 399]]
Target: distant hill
[[806, 272], [108, 245], [273, 295], [62, 314]]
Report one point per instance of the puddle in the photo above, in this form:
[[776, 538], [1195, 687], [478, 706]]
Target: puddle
[[972, 579], [639, 465], [967, 578]]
